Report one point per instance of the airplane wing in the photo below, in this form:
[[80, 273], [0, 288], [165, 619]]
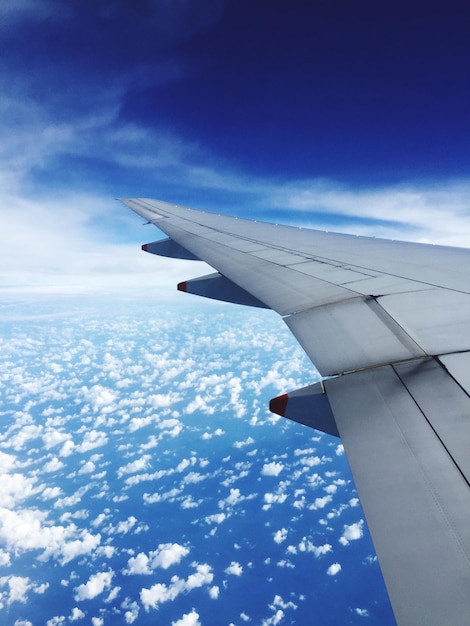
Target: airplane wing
[[387, 324]]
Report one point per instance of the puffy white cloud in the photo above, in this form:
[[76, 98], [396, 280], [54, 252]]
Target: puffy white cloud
[[27, 529], [352, 532], [135, 466], [188, 619], [216, 518], [185, 463], [273, 498], [280, 535], [278, 606], [122, 527], [235, 497], [101, 398], [57, 620], [18, 587], [310, 461], [51, 493], [132, 611], [91, 440], [218, 432], [279, 602], [139, 564], [246, 442], [274, 619], [333, 569], [200, 404], [235, 569], [362, 612], [53, 465], [272, 469], [76, 614], [159, 593], [214, 592], [166, 555], [5, 560], [320, 503], [16, 487], [87, 468], [96, 585]]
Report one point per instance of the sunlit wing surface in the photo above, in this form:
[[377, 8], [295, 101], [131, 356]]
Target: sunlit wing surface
[[387, 324]]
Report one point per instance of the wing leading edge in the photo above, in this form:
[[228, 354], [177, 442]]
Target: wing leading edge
[[388, 324]]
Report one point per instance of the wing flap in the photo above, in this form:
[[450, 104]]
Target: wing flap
[[351, 335], [414, 494]]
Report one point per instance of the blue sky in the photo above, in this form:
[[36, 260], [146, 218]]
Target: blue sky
[[338, 115]]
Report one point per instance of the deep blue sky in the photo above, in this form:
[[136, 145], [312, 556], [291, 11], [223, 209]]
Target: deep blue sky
[[350, 116], [356, 91]]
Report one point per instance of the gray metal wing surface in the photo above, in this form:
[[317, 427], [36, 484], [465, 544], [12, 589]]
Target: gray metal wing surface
[[387, 324]]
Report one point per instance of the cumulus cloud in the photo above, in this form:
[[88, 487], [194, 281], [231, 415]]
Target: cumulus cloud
[[273, 498], [160, 593], [280, 535], [362, 612], [131, 608], [188, 619], [91, 440], [166, 555], [278, 606], [272, 469], [135, 466], [28, 529], [15, 487], [333, 569], [96, 585], [76, 614], [245, 442], [306, 545], [18, 586], [216, 518], [53, 465], [320, 503], [218, 432], [352, 532], [235, 569]]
